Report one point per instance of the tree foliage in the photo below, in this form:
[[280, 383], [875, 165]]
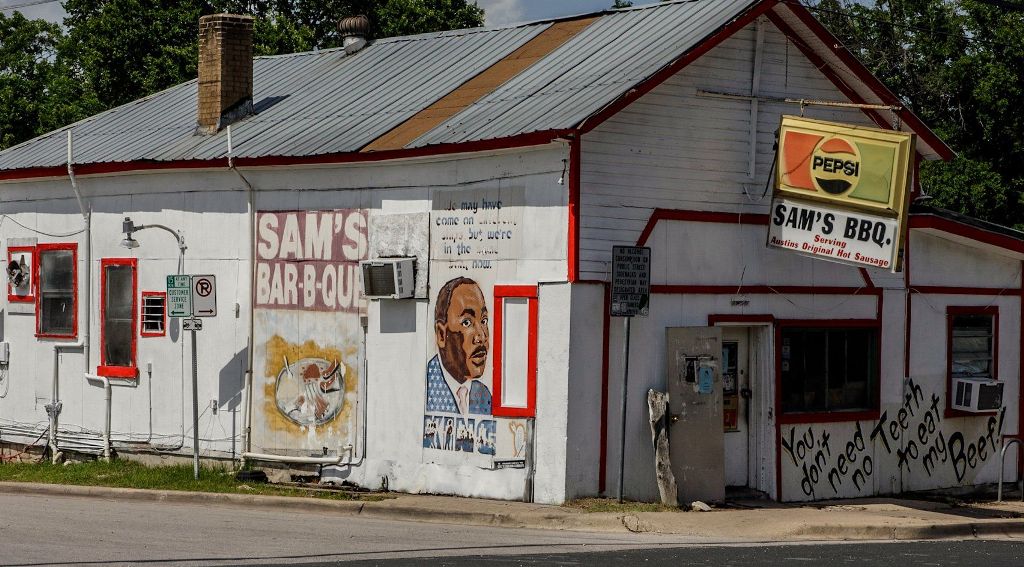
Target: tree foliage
[[111, 52], [960, 66]]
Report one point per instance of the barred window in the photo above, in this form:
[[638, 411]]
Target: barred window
[[154, 313]]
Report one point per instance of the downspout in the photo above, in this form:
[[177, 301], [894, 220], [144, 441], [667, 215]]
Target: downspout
[[83, 343], [251, 213], [106, 422]]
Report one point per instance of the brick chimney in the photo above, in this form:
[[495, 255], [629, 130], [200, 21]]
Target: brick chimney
[[225, 71]]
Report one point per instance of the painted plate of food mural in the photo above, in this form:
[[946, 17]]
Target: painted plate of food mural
[[311, 391]]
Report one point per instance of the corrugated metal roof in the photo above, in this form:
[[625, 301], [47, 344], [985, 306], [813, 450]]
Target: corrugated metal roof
[[329, 102], [589, 72]]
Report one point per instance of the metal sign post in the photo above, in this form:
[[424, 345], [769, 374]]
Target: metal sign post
[[190, 297], [630, 297]]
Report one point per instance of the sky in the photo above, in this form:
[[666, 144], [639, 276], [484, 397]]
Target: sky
[[498, 12]]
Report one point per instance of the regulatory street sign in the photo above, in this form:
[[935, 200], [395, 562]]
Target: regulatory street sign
[[192, 324], [631, 281], [179, 296], [204, 296]]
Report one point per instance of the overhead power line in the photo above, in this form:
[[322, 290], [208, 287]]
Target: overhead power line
[[27, 4]]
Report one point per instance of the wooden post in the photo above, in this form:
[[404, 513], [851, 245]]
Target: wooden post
[[657, 402]]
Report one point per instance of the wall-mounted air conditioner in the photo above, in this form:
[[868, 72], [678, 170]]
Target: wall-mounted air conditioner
[[977, 395], [388, 278]]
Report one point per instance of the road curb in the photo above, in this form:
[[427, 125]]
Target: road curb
[[545, 518]]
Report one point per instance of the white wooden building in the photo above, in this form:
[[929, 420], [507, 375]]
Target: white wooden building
[[507, 162]]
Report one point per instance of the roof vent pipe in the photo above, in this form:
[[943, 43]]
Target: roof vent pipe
[[353, 32]]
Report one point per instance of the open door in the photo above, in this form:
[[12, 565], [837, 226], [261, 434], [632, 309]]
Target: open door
[[696, 439]]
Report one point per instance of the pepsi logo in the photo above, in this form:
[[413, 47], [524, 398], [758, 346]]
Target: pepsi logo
[[835, 165]]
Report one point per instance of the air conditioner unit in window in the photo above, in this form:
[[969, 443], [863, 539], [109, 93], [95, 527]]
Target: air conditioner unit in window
[[977, 395], [388, 278]]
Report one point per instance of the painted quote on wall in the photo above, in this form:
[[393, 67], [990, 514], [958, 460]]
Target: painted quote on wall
[[914, 434], [475, 238]]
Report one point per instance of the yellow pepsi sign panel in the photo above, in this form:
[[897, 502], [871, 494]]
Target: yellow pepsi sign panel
[[840, 164]]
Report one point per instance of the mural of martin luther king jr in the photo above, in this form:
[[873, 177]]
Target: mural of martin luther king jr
[[463, 342]]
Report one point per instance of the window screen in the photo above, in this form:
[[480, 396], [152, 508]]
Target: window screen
[[829, 369], [972, 346], [57, 292], [117, 315]]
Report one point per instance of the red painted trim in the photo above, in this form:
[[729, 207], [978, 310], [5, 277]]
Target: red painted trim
[[1020, 374], [131, 372], [951, 311], [907, 306], [829, 417], [702, 47], [960, 290], [104, 369], [698, 216], [40, 250], [522, 140], [926, 221], [764, 290], [142, 307], [778, 411], [829, 323], [530, 293], [12, 251], [573, 253], [859, 70], [725, 318], [830, 73], [605, 340], [866, 277]]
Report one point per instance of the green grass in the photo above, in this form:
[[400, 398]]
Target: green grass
[[129, 474], [611, 505]]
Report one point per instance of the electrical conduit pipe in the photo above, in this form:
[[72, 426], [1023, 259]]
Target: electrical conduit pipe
[[106, 402], [86, 312]]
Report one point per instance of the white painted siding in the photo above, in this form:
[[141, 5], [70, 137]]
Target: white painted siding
[[210, 207], [674, 149]]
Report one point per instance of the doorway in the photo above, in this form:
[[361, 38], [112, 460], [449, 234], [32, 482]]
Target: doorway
[[747, 404]]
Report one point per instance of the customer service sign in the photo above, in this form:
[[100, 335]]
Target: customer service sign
[[841, 192]]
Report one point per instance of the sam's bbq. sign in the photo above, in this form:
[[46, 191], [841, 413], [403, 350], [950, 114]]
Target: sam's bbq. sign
[[840, 192]]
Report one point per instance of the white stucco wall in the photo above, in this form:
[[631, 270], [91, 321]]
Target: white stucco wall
[[210, 208]]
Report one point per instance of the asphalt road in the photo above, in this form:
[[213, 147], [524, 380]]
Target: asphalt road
[[67, 530], [63, 530]]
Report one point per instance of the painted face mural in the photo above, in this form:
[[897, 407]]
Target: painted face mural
[[463, 340]]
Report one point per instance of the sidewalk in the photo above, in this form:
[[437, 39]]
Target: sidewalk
[[863, 519]]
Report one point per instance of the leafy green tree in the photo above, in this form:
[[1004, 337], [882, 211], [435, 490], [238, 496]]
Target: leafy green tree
[[39, 90], [130, 48], [287, 26], [117, 51], [960, 66], [25, 49]]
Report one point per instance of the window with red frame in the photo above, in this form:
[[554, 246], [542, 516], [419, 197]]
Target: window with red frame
[[515, 351], [972, 345], [57, 291], [117, 317], [154, 314]]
